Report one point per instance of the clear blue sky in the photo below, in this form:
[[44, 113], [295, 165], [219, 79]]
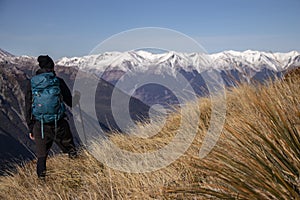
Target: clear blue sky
[[74, 28]]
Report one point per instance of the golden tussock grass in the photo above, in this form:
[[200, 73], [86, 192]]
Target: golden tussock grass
[[256, 157]]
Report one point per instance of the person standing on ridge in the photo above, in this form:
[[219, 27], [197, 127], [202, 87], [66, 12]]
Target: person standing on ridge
[[45, 101]]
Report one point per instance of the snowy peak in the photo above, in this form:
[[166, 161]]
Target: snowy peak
[[7, 57], [4, 53], [258, 60]]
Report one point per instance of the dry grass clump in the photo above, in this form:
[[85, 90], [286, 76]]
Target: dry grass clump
[[256, 157]]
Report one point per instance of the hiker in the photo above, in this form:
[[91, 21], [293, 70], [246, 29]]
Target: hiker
[[45, 113]]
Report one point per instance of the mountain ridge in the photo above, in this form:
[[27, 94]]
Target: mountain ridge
[[200, 61], [139, 60]]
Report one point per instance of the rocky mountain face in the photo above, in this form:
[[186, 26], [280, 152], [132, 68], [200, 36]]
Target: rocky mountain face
[[15, 145]]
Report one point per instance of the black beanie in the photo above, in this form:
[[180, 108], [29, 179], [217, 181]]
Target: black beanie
[[45, 62]]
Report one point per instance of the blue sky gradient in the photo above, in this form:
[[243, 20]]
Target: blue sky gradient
[[74, 28]]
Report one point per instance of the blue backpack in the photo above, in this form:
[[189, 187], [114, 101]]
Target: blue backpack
[[47, 103]]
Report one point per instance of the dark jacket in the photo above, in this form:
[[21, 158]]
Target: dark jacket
[[65, 91]]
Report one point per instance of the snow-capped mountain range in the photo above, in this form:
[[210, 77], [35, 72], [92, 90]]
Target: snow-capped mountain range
[[233, 66], [143, 60]]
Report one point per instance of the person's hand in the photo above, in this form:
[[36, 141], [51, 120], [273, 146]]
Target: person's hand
[[31, 136], [76, 98]]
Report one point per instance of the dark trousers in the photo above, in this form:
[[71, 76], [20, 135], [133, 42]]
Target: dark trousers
[[62, 136]]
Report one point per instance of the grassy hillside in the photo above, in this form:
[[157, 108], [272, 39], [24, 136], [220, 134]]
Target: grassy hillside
[[256, 157]]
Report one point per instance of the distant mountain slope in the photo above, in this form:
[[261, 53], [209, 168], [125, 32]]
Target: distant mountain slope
[[15, 144]]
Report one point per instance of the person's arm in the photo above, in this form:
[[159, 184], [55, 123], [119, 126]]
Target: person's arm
[[66, 93], [28, 107]]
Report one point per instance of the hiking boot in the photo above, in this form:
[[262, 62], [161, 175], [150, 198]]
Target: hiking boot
[[42, 179]]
